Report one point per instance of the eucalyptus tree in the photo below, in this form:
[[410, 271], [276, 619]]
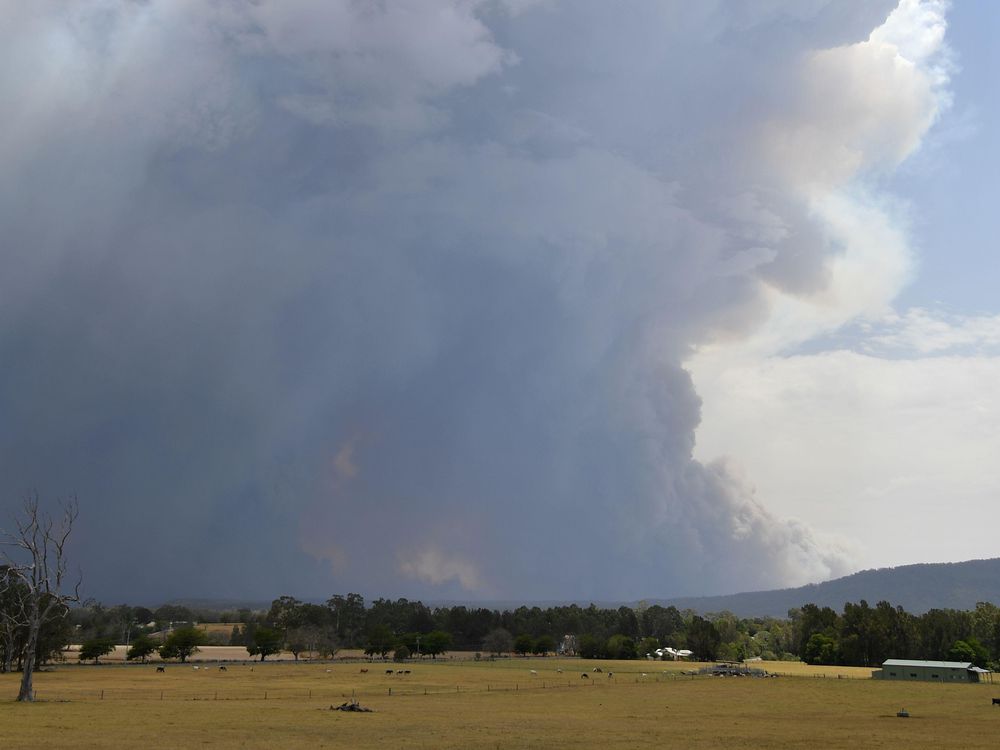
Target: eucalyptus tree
[[35, 557]]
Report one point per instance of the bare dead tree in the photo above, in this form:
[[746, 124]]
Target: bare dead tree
[[35, 556]]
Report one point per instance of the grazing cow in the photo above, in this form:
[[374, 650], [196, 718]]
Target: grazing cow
[[195, 667], [364, 670], [585, 676], [996, 701], [222, 668], [534, 673], [406, 671], [559, 671], [610, 675], [643, 675], [598, 669], [388, 671], [399, 671], [161, 669]]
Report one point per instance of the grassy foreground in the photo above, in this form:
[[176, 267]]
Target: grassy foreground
[[486, 705]]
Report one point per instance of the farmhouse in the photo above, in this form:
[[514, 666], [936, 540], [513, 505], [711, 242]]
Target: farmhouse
[[932, 671]]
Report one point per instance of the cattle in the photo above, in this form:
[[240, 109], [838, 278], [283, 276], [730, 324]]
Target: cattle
[[585, 676], [399, 671], [534, 673], [598, 669], [643, 675], [161, 669], [388, 671], [406, 671], [364, 670], [996, 701], [222, 668], [610, 675], [195, 667], [559, 671]]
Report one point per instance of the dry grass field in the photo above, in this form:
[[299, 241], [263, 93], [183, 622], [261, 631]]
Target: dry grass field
[[462, 704]]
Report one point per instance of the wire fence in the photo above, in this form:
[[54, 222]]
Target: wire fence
[[88, 693]]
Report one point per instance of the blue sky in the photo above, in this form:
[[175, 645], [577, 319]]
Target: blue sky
[[953, 187]]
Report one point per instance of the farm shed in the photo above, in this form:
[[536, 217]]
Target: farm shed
[[931, 671]]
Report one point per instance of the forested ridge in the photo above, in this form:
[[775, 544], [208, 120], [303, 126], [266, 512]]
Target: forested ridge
[[917, 588]]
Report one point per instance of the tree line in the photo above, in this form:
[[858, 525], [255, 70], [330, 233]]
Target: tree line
[[861, 635]]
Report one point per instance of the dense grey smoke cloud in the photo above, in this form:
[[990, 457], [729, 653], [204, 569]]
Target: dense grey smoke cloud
[[304, 297]]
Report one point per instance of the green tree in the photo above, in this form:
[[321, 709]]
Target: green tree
[[523, 644], [986, 627], [434, 643], [96, 648], [703, 639], [543, 645], [142, 648], [266, 641], [663, 623], [969, 650], [590, 646], [620, 646], [402, 653], [182, 642], [286, 612], [821, 649], [348, 615], [808, 620], [380, 641]]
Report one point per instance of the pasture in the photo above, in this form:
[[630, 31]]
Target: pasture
[[467, 704]]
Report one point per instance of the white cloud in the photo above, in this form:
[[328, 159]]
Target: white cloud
[[856, 442], [882, 452], [921, 331], [432, 565]]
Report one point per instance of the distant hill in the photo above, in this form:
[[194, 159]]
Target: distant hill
[[916, 588]]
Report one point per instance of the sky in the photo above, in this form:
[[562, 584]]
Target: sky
[[499, 299]]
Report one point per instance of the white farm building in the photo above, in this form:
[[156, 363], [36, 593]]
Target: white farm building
[[931, 671]]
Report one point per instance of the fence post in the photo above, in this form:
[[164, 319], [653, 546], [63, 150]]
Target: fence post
[[102, 695]]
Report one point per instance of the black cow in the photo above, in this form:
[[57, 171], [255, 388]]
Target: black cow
[[161, 669], [996, 701]]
